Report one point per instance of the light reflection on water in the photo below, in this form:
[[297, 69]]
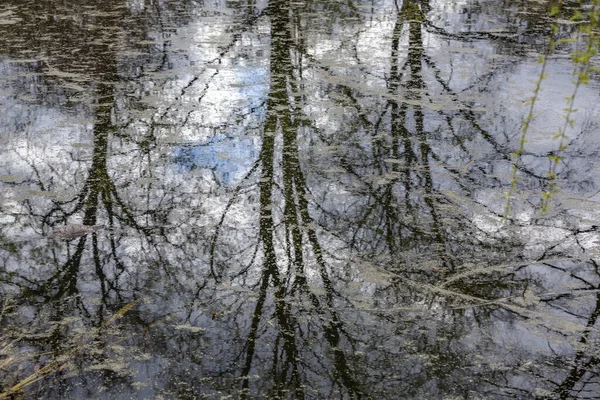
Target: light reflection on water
[[229, 158]]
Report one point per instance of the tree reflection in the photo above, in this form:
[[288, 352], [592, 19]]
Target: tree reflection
[[289, 368], [51, 278], [354, 254]]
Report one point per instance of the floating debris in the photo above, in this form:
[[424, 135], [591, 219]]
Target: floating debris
[[73, 231]]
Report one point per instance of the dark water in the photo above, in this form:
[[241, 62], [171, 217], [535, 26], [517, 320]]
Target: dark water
[[288, 200]]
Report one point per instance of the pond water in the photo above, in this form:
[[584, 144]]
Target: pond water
[[297, 200]]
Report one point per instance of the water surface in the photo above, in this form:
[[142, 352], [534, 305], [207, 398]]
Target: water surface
[[288, 200]]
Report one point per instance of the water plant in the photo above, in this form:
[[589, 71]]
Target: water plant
[[61, 362], [586, 42]]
